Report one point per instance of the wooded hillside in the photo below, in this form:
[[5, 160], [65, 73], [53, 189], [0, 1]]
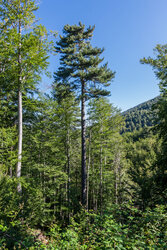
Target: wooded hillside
[[140, 116]]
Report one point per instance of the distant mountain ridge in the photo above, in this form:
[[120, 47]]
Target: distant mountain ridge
[[140, 116]]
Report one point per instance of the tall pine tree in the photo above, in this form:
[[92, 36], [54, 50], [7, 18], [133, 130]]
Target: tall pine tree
[[81, 67]]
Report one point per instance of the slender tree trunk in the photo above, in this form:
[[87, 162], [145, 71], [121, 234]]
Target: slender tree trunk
[[11, 173], [101, 179], [11, 169], [116, 184], [87, 205], [83, 132], [117, 165], [93, 185], [68, 172], [54, 207], [60, 201], [20, 115]]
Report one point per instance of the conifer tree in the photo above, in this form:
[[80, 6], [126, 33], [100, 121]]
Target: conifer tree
[[81, 67], [141, 153], [106, 152], [68, 113], [159, 65]]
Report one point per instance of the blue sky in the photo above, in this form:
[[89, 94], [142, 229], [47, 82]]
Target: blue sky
[[127, 29]]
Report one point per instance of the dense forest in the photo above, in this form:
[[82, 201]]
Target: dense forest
[[140, 116], [74, 172]]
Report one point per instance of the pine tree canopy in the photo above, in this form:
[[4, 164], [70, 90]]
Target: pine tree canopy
[[81, 63]]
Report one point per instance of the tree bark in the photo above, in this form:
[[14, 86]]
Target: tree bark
[[20, 138], [101, 179], [20, 114], [83, 138], [87, 205], [68, 172], [116, 170]]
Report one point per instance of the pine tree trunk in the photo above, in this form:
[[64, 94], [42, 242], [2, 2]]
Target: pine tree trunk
[[20, 116], [68, 172], [87, 205], [117, 165], [93, 186], [83, 128]]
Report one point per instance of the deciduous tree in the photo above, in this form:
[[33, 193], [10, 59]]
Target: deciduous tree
[[23, 52]]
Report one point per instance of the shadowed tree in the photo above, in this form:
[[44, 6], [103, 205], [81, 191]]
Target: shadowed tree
[[159, 65]]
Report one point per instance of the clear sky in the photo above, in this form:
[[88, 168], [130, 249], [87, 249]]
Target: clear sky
[[127, 29]]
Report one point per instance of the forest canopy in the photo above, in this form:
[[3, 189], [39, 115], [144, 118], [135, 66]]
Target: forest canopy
[[75, 172]]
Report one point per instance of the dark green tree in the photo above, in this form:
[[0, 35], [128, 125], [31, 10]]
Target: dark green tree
[[141, 154], [159, 65], [81, 67]]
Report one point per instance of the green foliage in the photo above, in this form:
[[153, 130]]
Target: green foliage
[[122, 228], [7, 151], [81, 63], [140, 116], [47, 214], [81, 71], [105, 154], [33, 42], [159, 63], [142, 149]]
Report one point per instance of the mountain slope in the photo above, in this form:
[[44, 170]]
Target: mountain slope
[[140, 116]]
